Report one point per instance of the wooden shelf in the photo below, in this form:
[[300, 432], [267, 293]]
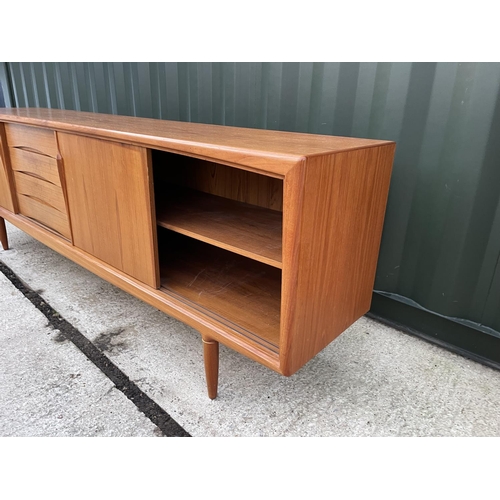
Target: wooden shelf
[[242, 228], [241, 293]]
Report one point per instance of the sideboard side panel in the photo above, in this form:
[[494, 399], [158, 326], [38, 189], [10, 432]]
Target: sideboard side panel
[[109, 190], [343, 208], [6, 190]]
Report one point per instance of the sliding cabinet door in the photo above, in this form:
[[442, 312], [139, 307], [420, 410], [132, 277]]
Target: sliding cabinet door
[[111, 203]]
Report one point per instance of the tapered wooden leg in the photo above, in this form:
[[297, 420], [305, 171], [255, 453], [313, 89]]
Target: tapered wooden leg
[[211, 357], [3, 234]]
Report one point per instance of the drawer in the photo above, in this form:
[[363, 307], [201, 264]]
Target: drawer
[[47, 215], [35, 187], [38, 165], [42, 201], [37, 140]]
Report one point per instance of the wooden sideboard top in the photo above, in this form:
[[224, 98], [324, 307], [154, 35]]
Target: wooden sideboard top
[[267, 150]]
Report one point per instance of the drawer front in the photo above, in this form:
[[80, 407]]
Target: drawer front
[[34, 157], [41, 166], [37, 140], [45, 214], [34, 187]]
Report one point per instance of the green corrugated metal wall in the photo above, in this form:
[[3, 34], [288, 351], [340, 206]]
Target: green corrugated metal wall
[[440, 251]]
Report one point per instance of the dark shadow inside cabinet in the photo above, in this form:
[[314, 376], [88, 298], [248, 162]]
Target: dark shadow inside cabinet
[[220, 242]]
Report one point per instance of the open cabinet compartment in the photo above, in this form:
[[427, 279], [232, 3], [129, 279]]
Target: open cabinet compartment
[[220, 242]]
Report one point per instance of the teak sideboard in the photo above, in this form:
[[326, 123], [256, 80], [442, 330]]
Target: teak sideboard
[[265, 241]]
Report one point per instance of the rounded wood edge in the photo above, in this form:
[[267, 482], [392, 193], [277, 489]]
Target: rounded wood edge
[[3, 234], [211, 359]]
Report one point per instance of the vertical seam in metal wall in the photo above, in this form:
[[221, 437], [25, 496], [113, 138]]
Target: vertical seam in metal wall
[[9, 87]]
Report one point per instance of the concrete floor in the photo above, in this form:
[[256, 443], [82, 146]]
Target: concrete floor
[[371, 381]]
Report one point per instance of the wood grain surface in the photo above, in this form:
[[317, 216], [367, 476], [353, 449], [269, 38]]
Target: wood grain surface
[[335, 244], [4, 241], [110, 203], [42, 166], [7, 200], [211, 359], [272, 151], [220, 180], [241, 292], [46, 214], [34, 157], [35, 139], [242, 228], [40, 189]]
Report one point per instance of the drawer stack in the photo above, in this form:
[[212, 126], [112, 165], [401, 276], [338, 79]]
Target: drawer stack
[[34, 160]]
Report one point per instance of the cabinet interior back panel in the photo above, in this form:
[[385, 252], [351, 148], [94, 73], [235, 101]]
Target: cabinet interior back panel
[[220, 180]]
